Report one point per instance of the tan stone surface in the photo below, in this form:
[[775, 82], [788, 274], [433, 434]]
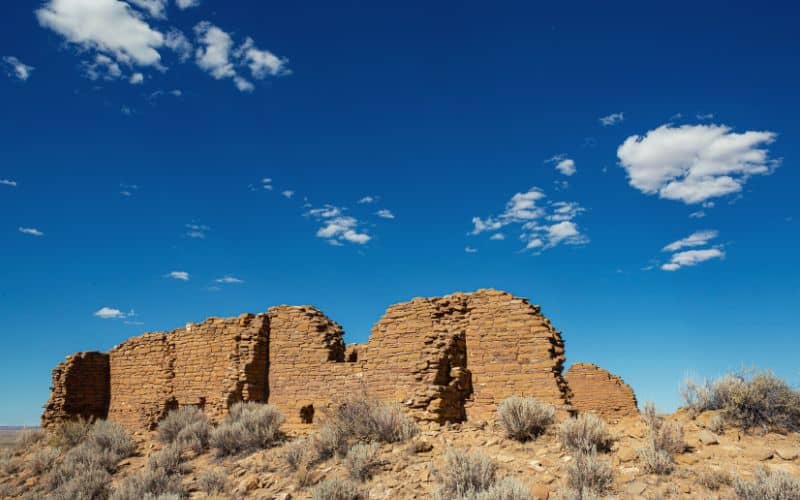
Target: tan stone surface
[[599, 391], [79, 388]]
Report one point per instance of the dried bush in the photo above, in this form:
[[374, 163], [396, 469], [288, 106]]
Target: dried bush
[[505, 489], [168, 459], [361, 460], [43, 459], [716, 424], [213, 482], [589, 473], [147, 484], [714, 479], [330, 440], [585, 433], [298, 453], [9, 464], [28, 438], [187, 426], [86, 484], [71, 432], [661, 434], [337, 489], [775, 485], [466, 474], [655, 461], [112, 438], [366, 419], [749, 400], [248, 427], [525, 418]]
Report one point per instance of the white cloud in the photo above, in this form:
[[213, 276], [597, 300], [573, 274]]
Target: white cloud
[[498, 237], [564, 165], [176, 41], [32, 231], [385, 214], [197, 231], [543, 224], [108, 26], [178, 275], [16, 68], [228, 280], [102, 67], [186, 4], [288, 193], [367, 200], [128, 189], [707, 116], [215, 54], [111, 313], [692, 258], [262, 63], [693, 163], [696, 239], [338, 228], [136, 79], [8, 182], [612, 119], [156, 8], [469, 249], [697, 215]]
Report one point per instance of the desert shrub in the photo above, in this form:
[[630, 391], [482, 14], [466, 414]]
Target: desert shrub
[[757, 400], [775, 485], [248, 427], [168, 459], [714, 479], [663, 440], [589, 473], [655, 461], [43, 459], [187, 426], [504, 489], [149, 483], [716, 424], [213, 482], [9, 464], [466, 474], [86, 484], [330, 440], [525, 418], [585, 433], [28, 438], [367, 419], [71, 432], [298, 453], [111, 437], [361, 460], [337, 489]]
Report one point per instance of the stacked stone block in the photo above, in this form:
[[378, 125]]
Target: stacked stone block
[[599, 391], [80, 389]]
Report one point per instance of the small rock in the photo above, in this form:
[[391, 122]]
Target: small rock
[[536, 465], [566, 458], [765, 454], [547, 478], [636, 488], [504, 458], [626, 454], [787, 453], [491, 442], [541, 492], [707, 437]]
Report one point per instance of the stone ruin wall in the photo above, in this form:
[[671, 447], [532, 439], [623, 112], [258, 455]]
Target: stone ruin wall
[[445, 359], [599, 391], [80, 388]]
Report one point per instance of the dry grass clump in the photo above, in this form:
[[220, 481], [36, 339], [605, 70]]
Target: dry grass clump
[[757, 400], [43, 460], [337, 489], [525, 418], [89, 484], [466, 473], [213, 482], [716, 424], [28, 438], [331, 439], [663, 440], [588, 476], [9, 464], [248, 427], [298, 453], [186, 426], [361, 460], [161, 477], [714, 479], [72, 432], [585, 433], [775, 485]]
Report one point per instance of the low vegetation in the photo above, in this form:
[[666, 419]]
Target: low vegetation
[[213, 482], [247, 428], [337, 489], [585, 433], [473, 476], [361, 460], [768, 485], [525, 418], [756, 400], [663, 440], [72, 432], [714, 479], [187, 427], [588, 476]]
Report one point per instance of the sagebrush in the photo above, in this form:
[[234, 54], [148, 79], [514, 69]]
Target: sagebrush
[[768, 485], [589, 473], [337, 489], [187, 427], [248, 427], [361, 460], [585, 433], [525, 418], [466, 473]]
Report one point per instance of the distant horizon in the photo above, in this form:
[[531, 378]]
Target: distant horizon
[[631, 169]]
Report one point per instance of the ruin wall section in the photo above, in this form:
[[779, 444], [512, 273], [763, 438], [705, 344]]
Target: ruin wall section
[[601, 392], [79, 389]]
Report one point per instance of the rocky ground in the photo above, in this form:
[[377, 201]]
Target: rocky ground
[[411, 469]]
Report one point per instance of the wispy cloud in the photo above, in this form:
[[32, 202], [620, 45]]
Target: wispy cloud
[[688, 258], [228, 280], [497, 237], [367, 200], [113, 313], [338, 228], [543, 224], [612, 119], [17, 69], [564, 165], [470, 249], [696, 239], [32, 231], [706, 116], [8, 182], [287, 194], [384, 214], [186, 4], [197, 231], [178, 275], [127, 190], [694, 163]]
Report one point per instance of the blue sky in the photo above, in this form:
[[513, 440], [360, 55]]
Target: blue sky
[[639, 164]]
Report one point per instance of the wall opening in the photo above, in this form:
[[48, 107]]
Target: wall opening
[[307, 414]]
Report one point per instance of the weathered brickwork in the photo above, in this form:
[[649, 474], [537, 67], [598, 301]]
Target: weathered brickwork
[[445, 359], [79, 389], [598, 391]]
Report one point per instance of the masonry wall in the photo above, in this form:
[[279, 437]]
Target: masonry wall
[[79, 388], [599, 391]]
